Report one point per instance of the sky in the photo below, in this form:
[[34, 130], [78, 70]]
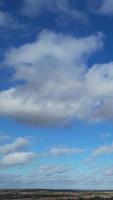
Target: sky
[[56, 94]]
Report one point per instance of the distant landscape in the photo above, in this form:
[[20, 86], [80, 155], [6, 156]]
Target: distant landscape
[[54, 195]]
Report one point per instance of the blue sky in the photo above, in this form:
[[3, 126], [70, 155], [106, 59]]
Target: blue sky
[[56, 94]]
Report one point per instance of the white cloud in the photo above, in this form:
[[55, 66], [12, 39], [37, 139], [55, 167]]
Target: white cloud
[[16, 158], [63, 7], [18, 145], [57, 151], [58, 85], [99, 87]]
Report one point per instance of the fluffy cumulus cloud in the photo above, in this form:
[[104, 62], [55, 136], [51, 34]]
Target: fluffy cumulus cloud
[[58, 86], [62, 7]]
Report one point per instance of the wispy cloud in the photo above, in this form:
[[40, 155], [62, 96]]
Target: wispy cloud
[[105, 149], [100, 151], [4, 136], [57, 176], [61, 150], [60, 8], [6, 19], [16, 153], [106, 8], [18, 145]]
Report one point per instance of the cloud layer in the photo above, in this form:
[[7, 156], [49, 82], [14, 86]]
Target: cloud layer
[[58, 176]]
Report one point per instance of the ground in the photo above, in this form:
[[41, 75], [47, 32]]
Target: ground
[[54, 195]]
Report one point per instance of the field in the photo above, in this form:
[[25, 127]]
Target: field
[[54, 195]]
